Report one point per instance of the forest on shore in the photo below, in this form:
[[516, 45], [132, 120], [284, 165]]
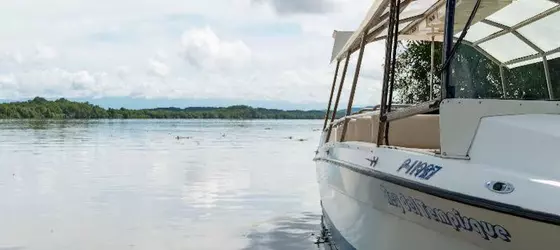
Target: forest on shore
[[41, 108]]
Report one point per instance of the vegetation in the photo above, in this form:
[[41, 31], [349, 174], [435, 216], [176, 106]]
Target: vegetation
[[412, 77], [40, 108], [473, 74]]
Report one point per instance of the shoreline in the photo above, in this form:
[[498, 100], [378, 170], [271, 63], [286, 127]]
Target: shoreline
[[63, 109]]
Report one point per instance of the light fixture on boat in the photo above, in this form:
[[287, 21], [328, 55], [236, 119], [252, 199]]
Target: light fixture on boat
[[500, 187]]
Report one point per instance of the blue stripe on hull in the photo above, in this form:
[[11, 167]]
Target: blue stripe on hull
[[339, 240]]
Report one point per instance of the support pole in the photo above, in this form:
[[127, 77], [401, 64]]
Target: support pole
[[386, 73], [335, 109], [548, 80], [503, 78], [432, 67], [447, 90], [331, 96], [354, 83], [393, 66]]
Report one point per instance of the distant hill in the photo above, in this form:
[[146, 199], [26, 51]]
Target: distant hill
[[40, 108]]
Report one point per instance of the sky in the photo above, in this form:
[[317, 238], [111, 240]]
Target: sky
[[141, 53]]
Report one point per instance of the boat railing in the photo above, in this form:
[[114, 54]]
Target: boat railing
[[365, 112], [378, 106], [409, 111], [341, 120]]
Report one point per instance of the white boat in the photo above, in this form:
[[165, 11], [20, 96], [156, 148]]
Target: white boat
[[454, 172]]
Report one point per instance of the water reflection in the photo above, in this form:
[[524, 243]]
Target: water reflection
[[287, 232], [134, 185]]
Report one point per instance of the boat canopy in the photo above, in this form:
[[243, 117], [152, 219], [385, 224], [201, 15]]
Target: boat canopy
[[511, 33]]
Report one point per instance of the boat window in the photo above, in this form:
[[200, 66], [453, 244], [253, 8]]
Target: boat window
[[513, 53]]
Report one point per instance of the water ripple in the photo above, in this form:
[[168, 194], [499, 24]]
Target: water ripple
[[166, 184]]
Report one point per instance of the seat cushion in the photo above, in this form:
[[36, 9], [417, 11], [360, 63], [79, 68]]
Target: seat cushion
[[419, 131]]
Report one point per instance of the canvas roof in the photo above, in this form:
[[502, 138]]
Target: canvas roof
[[512, 33]]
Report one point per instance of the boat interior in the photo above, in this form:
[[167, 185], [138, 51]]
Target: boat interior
[[418, 126], [419, 131]]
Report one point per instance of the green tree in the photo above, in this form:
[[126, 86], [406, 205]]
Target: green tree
[[412, 73], [473, 75], [40, 108]]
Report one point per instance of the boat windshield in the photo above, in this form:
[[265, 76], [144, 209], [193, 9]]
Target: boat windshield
[[513, 53]]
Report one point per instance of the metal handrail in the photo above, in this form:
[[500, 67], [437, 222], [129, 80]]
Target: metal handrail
[[401, 111], [342, 119], [421, 108], [376, 107]]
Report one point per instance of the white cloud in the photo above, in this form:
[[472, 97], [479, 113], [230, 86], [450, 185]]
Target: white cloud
[[158, 68], [51, 82], [161, 55], [9, 57], [44, 52], [122, 72], [202, 48], [298, 6], [8, 81], [241, 50]]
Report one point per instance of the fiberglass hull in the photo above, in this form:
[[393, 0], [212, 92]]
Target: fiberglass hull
[[367, 207]]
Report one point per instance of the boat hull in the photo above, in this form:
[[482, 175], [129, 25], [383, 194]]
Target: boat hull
[[365, 210]]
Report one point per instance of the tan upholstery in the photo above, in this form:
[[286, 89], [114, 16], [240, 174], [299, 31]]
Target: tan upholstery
[[419, 131], [338, 133]]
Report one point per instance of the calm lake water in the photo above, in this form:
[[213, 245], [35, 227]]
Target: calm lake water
[[131, 184]]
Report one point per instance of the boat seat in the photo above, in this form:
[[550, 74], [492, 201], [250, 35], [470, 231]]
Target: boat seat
[[418, 131]]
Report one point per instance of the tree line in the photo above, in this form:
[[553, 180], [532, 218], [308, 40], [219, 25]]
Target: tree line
[[40, 108]]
